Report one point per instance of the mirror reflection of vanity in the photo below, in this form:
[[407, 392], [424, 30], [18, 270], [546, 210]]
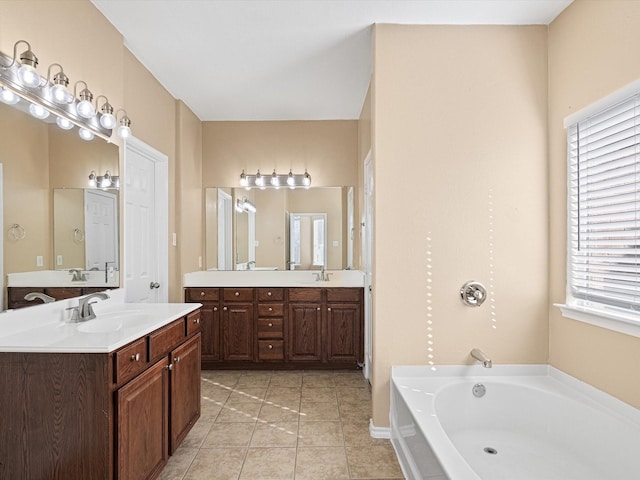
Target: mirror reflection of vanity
[[279, 229], [52, 222]]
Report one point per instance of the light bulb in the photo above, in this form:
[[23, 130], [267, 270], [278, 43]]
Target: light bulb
[[290, 180], [92, 178], [8, 97], [28, 76], [60, 94], [259, 179], [105, 182], [38, 111], [243, 179], [108, 121], [275, 181], [64, 124], [85, 109], [306, 180], [85, 134], [124, 131]]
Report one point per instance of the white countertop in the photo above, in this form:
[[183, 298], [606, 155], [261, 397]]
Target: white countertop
[[115, 325], [277, 278]]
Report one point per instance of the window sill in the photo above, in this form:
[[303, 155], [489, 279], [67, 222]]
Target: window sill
[[604, 319]]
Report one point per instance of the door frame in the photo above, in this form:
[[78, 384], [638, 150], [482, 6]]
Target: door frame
[[161, 190], [367, 263], [225, 231]]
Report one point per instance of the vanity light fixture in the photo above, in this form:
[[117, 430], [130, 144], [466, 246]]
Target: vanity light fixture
[[20, 80], [92, 179], [59, 92], [245, 205], [27, 74], [85, 106], [291, 179], [104, 181], [124, 130]]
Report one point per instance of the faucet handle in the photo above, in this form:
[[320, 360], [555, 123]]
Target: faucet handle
[[75, 313]]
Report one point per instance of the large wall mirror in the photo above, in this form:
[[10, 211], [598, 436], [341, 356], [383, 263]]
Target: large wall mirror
[[52, 221], [279, 229]]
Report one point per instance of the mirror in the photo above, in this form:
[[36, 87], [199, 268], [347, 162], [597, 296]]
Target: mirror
[[38, 159], [279, 229]]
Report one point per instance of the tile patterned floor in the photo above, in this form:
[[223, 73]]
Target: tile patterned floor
[[311, 425]]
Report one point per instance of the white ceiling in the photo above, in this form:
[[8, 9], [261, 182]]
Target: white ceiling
[[284, 59]]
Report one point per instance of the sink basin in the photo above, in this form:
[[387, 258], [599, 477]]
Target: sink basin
[[113, 322]]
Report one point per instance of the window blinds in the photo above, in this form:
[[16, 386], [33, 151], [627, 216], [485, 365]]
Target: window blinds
[[604, 207]]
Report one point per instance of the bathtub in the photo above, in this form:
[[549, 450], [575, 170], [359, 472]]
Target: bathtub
[[532, 423]]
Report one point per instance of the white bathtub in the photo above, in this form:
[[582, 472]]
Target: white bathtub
[[533, 423]]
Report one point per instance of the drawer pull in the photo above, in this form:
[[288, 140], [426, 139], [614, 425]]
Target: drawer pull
[[270, 346], [271, 324], [202, 294], [237, 294], [196, 320], [268, 294], [135, 358], [176, 360]]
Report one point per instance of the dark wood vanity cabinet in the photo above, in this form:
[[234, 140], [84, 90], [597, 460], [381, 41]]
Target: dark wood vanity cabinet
[[90, 416], [280, 327], [15, 295]]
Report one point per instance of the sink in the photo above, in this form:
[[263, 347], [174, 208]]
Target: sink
[[113, 322]]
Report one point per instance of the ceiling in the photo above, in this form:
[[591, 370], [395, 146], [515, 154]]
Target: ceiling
[[284, 59]]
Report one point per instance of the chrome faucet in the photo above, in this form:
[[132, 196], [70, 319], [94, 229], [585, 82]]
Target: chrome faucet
[[78, 276], [481, 357], [31, 296], [249, 264], [84, 310], [322, 276]]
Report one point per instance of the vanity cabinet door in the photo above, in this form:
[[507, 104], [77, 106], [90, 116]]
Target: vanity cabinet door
[[143, 424], [343, 332], [210, 328], [305, 332], [237, 331], [185, 390]]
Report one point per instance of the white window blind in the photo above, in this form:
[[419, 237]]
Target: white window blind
[[604, 208]]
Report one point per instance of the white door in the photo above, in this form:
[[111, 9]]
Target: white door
[[100, 229], [367, 260], [146, 259]]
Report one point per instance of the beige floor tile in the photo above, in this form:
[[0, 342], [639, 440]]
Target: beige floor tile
[[269, 464], [357, 434], [217, 464], [319, 394], [209, 409], [246, 395], [355, 413], [197, 434], [319, 412], [276, 413], [373, 462], [320, 434], [229, 435], [286, 380], [178, 464], [275, 434], [213, 391], [318, 380], [257, 380], [354, 380], [353, 395], [242, 412], [321, 463], [283, 395]]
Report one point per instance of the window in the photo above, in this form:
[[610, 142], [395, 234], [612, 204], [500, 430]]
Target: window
[[603, 273]]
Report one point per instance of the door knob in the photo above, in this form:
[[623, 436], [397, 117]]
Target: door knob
[[153, 285]]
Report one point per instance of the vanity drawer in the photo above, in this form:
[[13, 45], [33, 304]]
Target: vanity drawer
[[202, 294], [270, 328], [305, 295], [163, 340], [130, 360], [193, 322], [270, 349], [271, 309], [269, 294], [344, 294], [237, 294]]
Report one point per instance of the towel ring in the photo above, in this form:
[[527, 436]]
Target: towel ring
[[78, 235], [17, 232]]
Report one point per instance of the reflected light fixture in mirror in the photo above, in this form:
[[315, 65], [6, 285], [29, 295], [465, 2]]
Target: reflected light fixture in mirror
[[275, 180], [104, 181], [19, 80], [245, 205]]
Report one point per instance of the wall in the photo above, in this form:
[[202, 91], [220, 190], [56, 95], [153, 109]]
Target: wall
[[588, 59], [459, 136]]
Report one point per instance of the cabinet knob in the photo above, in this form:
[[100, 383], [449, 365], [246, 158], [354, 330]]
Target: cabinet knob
[[318, 308], [268, 294], [177, 360], [237, 294], [271, 324], [135, 358], [270, 346], [202, 294], [225, 308], [196, 320], [270, 309], [215, 309], [329, 309]]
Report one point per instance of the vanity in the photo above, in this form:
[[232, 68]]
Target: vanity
[[108, 398], [279, 319]]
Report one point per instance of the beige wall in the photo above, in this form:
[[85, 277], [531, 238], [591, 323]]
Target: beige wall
[[589, 47], [463, 126], [68, 211]]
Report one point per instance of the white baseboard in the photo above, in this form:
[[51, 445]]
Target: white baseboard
[[379, 432]]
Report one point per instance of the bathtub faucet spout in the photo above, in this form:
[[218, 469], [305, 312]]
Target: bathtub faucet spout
[[481, 357]]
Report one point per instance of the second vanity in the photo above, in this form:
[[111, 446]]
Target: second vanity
[[279, 319], [108, 398]]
